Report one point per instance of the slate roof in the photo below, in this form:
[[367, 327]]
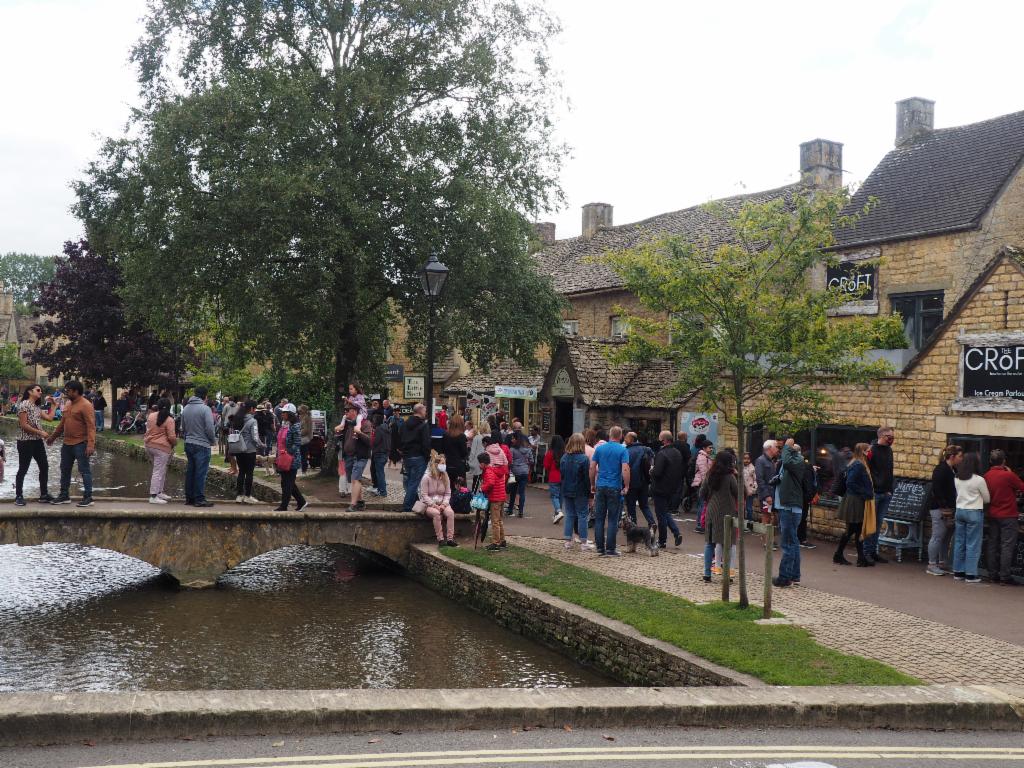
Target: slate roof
[[566, 260], [503, 373], [941, 182], [446, 368], [603, 384]]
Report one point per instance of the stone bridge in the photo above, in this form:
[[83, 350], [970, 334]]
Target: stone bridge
[[195, 546]]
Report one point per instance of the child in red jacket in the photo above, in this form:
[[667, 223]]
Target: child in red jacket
[[495, 475]]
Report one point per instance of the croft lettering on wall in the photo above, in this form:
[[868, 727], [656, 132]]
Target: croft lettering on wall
[[853, 277], [993, 371]]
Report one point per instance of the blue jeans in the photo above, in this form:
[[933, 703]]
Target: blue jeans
[[99, 421], [518, 489], [577, 515], [607, 509], [636, 497], [967, 541], [789, 521], [709, 556], [555, 492], [196, 470], [415, 466], [662, 507], [881, 508], [380, 460], [750, 507], [69, 454]]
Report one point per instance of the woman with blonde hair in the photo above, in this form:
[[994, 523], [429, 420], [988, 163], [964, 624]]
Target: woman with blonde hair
[[435, 493], [859, 491]]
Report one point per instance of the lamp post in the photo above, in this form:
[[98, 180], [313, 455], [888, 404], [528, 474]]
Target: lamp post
[[432, 278]]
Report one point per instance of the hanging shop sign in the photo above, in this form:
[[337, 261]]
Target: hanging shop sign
[[473, 400], [694, 424], [488, 405], [993, 371], [562, 385], [856, 278], [414, 387], [516, 393], [394, 372]]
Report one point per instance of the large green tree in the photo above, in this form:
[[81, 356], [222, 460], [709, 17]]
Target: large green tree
[[744, 321], [24, 274], [294, 164]]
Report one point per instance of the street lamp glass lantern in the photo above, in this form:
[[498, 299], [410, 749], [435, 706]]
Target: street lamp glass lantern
[[433, 277]]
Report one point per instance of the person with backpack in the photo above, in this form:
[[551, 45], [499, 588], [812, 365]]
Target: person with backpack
[[289, 455], [243, 444], [667, 476], [640, 459], [574, 490], [809, 483]]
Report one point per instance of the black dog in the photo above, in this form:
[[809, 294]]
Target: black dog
[[637, 535]]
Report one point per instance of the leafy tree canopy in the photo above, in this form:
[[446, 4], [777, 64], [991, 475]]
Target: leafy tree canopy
[[24, 274], [295, 164], [11, 364], [84, 331]]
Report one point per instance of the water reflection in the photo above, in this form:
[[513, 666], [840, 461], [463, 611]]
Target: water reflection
[[74, 618]]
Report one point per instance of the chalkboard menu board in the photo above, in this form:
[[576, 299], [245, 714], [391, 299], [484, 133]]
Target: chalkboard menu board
[[909, 498]]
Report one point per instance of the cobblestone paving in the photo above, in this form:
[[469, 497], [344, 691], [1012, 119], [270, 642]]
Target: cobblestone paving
[[928, 650]]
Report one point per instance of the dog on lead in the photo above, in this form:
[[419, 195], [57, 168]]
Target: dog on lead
[[636, 535]]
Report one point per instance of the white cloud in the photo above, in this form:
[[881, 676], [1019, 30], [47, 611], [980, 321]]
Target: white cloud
[[674, 103]]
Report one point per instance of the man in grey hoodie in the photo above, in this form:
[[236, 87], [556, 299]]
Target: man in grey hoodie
[[200, 436]]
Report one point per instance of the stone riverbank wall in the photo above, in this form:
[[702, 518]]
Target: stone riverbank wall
[[609, 646]]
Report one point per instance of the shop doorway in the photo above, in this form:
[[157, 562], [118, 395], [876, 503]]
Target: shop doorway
[[563, 418]]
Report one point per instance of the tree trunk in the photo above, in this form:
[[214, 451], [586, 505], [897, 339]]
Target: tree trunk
[[741, 440]]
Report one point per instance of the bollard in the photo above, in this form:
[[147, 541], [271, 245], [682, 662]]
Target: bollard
[[727, 525], [769, 542]]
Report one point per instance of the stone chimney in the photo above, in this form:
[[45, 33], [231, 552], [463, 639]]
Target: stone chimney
[[821, 163], [915, 117], [595, 217], [544, 231]]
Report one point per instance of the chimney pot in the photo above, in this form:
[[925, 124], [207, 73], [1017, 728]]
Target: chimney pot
[[821, 163], [915, 117], [545, 232], [596, 216]]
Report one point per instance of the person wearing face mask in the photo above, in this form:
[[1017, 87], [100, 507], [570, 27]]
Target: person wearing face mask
[[435, 493], [880, 463], [356, 438]]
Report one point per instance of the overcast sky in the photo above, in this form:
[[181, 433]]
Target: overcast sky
[[672, 103]]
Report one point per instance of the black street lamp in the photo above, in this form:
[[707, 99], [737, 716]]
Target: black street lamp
[[432, 278]]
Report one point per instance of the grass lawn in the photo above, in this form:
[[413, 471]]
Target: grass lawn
[[719, 632]]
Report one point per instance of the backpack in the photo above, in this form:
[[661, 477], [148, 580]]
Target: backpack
[[839, 484], [691, 469]]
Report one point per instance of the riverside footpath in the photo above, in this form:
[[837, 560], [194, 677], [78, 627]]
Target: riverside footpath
[[932, 628]]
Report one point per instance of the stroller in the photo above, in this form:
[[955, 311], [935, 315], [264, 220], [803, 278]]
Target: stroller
[[132, 424]]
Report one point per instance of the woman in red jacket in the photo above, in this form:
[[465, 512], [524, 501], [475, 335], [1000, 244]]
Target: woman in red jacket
[[552, 459], [494, 468]]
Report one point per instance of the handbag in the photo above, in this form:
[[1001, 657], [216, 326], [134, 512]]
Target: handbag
[[284, 460], [235, 443], [480, 501]]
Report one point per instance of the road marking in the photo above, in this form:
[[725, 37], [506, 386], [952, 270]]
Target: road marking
[[578, 754]]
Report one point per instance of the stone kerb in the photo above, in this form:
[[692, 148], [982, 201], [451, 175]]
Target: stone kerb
[[610, 646]]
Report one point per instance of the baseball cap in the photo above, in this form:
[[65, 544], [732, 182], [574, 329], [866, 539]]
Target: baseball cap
[[289, 407]]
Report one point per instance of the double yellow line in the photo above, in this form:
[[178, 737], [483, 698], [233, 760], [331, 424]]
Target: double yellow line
[[598, 754]]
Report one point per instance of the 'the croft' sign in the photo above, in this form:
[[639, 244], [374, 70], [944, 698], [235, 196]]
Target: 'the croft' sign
[[994, 371]]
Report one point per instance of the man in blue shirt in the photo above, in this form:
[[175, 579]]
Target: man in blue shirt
[[609, 480]]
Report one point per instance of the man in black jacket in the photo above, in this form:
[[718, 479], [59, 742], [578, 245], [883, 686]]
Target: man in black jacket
[[414, 444], [683, 446], [666, 483], [881, 465]]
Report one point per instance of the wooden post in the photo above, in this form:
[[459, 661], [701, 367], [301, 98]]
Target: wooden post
[[727, 525], [769, 542]]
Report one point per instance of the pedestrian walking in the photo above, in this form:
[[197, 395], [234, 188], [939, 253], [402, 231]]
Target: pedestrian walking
[[30, 442], [858, 496], [1003, 487], [380, 449], [943, 509], [160, 439], [200, 437], [667, 478], [640, 460], [305, 436], [455, 448], [492, 483], [971, 497], [414, 446], [289, 441], [609, 479], [78, 429], [701, 466], [682, 445], [99, 405], [574, 492], [435, 493], [522, 458], [553, 474], [719, 491], [880, 462], [244, 442], [789, 501]]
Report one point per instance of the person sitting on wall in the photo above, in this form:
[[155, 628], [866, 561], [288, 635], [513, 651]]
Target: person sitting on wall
[[435, 493]]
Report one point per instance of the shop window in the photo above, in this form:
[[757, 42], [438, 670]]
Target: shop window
[[570, 327], [828, 444], [921, 313], [620, 326]]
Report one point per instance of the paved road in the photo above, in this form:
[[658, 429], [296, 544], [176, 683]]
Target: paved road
[[579, 749]]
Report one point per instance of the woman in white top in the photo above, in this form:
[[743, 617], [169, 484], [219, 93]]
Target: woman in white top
[[971, 497]]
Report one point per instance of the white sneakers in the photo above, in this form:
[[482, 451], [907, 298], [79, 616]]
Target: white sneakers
[[157, 500], [252, 500], [557, 517], [240, 500]]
